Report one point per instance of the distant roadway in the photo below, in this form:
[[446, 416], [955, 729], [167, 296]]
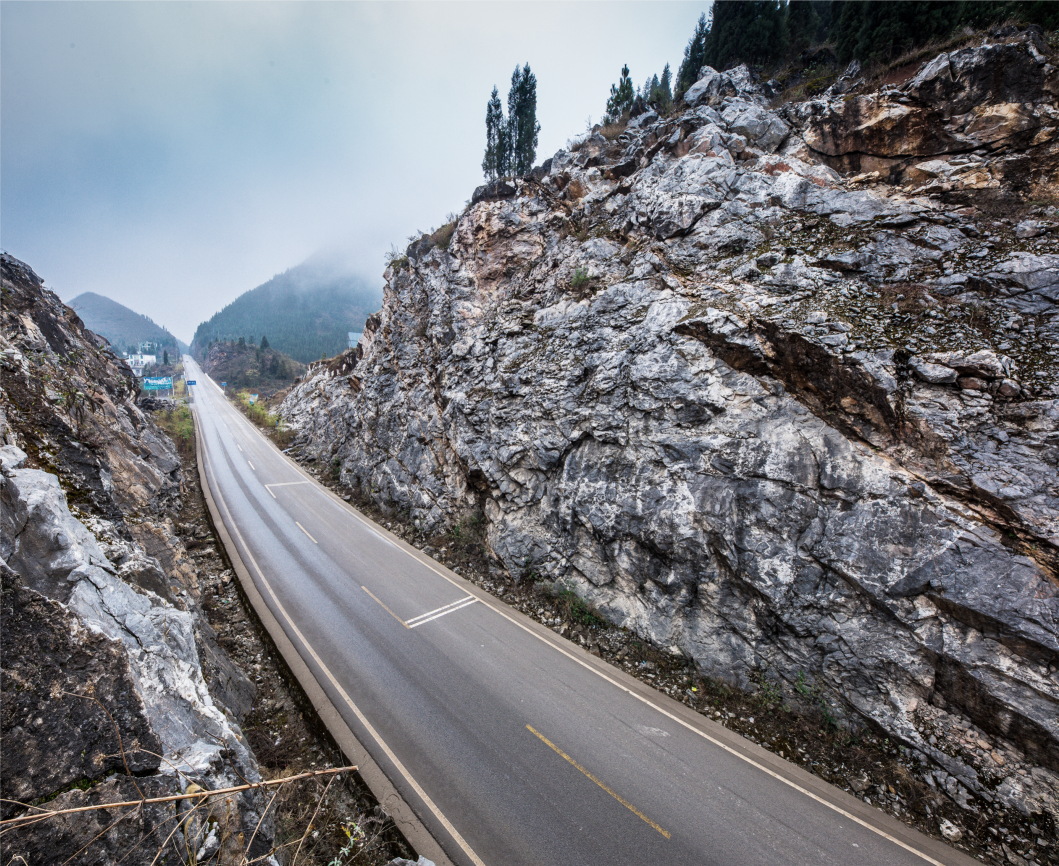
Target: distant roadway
[[500, 742]]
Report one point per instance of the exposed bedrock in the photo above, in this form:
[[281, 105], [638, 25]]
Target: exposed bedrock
[[792, 424], [113, 685]]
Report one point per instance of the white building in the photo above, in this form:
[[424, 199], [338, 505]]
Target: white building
[[138, 362]]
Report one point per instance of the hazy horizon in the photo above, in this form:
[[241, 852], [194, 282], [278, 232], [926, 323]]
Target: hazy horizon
[[171, 156]]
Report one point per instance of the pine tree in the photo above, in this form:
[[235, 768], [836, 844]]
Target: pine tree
[[522, 125], [694, 57], [264, 342], [621, 98], [665, 89], [495, 163], [165, 357]]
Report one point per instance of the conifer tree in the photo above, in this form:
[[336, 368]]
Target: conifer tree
[[494, 163], [264, 342], [694, 57], [522, 125], [621, 98], [665, 89]]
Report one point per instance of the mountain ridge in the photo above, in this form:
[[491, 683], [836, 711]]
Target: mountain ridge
[[120, 325], [306, 312]]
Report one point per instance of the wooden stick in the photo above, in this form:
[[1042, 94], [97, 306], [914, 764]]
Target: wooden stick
[[46, 813]]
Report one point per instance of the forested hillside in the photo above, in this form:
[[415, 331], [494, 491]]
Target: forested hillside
[[245, 365], [124, 328], [772, 34], [305, 312]]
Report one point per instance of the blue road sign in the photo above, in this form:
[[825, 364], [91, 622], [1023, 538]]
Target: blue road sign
[[157, 383], [224, 384], [191, 382]]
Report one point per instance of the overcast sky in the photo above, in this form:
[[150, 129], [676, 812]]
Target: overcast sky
[[174, 155]]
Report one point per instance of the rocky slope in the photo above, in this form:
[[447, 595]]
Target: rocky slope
[[773, 385], [114, 687]]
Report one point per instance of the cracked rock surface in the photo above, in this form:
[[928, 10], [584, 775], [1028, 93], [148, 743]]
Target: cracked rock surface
[[105, 655], [791, 414]]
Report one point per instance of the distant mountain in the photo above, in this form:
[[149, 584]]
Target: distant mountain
[[124, 328], [305, 312]]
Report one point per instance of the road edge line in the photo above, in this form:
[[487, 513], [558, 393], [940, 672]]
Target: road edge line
[[403, 815]]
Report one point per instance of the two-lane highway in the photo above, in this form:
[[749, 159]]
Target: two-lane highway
[[509, 744]]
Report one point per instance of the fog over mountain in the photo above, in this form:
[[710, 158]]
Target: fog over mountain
[[306, 312], [173, 155], [124, 328]]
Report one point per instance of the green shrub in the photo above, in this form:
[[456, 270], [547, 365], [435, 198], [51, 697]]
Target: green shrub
[[580, 278], [180, 425]]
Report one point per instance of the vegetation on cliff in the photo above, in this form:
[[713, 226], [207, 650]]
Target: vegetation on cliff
[[772, 33], [511, 142], [244, 365]]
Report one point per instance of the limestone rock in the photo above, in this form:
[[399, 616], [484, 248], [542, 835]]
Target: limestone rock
[[790, 424], [104, 686]]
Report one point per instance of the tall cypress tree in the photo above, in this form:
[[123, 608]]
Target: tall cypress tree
[[665, 89], [522, 125], [495, 162]]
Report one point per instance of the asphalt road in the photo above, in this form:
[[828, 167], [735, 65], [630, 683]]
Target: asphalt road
[[510, 744]]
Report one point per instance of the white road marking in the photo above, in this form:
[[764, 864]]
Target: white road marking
[[269, 487], [432, 615], [374, 734], [733, 752], [251, 465], [237, 445], [306, 531]]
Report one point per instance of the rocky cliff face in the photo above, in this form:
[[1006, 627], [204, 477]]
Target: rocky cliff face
[[106, 696], [775, 386]]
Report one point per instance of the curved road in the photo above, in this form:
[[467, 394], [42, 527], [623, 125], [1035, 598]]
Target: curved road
[[506, 743]]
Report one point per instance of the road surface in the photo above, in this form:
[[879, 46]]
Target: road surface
[[509, 744]]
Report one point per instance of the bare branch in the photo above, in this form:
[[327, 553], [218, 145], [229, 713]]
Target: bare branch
[[18, 820]]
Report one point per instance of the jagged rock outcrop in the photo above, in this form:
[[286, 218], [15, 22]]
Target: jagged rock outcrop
[[103, 651], [983, 117], [796, 426]]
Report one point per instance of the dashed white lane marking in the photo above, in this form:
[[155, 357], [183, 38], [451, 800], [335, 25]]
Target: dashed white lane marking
[[251, 465], [237, 445], [432, 615], [306, 531]]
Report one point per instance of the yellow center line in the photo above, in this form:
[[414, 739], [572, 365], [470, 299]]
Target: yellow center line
[[384, 607], [613, 793]]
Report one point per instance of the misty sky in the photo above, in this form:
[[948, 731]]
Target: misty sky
[[174, 155]]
